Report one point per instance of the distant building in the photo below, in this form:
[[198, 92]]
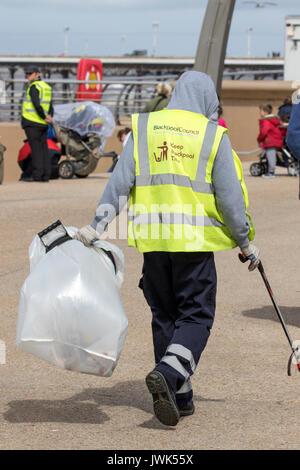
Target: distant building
[[138, 52], [292, 48]]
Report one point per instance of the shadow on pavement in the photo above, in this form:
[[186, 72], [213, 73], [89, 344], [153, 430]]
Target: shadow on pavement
[[291, 315], [86, 407], [153, 423]]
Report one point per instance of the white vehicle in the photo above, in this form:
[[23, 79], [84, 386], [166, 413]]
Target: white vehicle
[[292, 48]]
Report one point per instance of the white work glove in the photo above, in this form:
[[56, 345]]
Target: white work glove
[[87, 235], [252, 253]]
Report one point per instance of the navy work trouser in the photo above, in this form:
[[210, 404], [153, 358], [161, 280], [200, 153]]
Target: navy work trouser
[[180, 289], [41, 165]]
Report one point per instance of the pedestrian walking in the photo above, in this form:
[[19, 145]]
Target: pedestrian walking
[[161, 99], [293, 133], [270, 137], [187, 199], [2, 150], [123, 136], [286, 108], [221, 120], [37, 112]]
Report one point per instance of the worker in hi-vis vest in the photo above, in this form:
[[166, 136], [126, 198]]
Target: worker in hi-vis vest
[[37, 112], [187, 199]]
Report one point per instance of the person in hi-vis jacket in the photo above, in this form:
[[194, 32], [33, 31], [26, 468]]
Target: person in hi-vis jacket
[[183, 206], [37, 112]]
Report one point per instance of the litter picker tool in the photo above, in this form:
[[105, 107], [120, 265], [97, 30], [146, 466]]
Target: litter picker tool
[[295, 356]]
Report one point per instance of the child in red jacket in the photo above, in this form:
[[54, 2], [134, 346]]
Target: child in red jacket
[[270, 137]]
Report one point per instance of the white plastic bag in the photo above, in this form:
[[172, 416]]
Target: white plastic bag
[[70, 310]]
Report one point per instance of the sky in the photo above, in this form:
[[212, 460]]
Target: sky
[[115, 27]]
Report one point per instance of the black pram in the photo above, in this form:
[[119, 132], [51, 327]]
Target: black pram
[[285, 158]]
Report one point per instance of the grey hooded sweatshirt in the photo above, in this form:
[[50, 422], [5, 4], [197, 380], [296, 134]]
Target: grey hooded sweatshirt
[[193, 92]]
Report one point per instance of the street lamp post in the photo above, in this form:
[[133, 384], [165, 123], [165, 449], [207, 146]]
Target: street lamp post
[[66, 30], [155, 26], [123, 42], [249, 31]]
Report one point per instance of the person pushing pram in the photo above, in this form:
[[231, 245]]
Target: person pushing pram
[[275, 151], [270, 137]]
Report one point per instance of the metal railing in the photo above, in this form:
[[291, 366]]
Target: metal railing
[[122, 96]]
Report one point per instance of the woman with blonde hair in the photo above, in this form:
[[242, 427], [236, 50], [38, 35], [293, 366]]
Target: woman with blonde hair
[[160, 101]]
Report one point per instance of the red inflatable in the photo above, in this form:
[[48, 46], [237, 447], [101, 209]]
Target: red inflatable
[[25, 151], [89, 69]]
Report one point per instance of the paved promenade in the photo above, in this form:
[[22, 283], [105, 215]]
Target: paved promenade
[[243, 396]]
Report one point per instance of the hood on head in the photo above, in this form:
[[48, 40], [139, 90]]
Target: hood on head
[[271, 117], [195, 91]]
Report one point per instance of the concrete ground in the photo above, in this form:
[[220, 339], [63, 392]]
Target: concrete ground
[[243, 396]]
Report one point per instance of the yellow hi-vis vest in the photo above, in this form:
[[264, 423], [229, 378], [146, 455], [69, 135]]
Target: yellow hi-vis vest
[[172, 204], [45, 93]]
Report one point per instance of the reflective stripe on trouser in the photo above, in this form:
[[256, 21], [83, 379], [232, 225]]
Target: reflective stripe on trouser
[[180, 288]]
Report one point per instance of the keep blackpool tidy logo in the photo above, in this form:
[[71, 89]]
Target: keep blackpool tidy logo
[[176, 152], [162, 153]]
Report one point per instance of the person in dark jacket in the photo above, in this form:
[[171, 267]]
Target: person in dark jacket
[[293, 133], [160, 101], [270, 137], [37, 112], [2, 150], [286, 108]]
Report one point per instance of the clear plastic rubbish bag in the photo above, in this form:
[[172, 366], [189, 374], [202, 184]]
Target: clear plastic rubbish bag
[[70, 310]]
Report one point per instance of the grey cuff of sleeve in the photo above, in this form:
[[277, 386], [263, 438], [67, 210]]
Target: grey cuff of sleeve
[[94, 224], [244, 244], [99, 225]]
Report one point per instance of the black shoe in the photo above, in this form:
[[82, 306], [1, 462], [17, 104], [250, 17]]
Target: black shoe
[[27, 179], [187, 410], [164, 401]]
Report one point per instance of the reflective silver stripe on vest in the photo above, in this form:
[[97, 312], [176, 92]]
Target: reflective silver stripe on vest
[[178, 180], [42, 101], [183, 352], [173, 218], [41, 90], [206, 149], [143, 153], [186, 387], [172, 361]]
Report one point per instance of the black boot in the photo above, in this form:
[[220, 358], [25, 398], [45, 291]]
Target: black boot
[[164, 401]]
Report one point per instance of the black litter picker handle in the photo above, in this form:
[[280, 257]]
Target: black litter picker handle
[[243, 258], [54, 235]]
